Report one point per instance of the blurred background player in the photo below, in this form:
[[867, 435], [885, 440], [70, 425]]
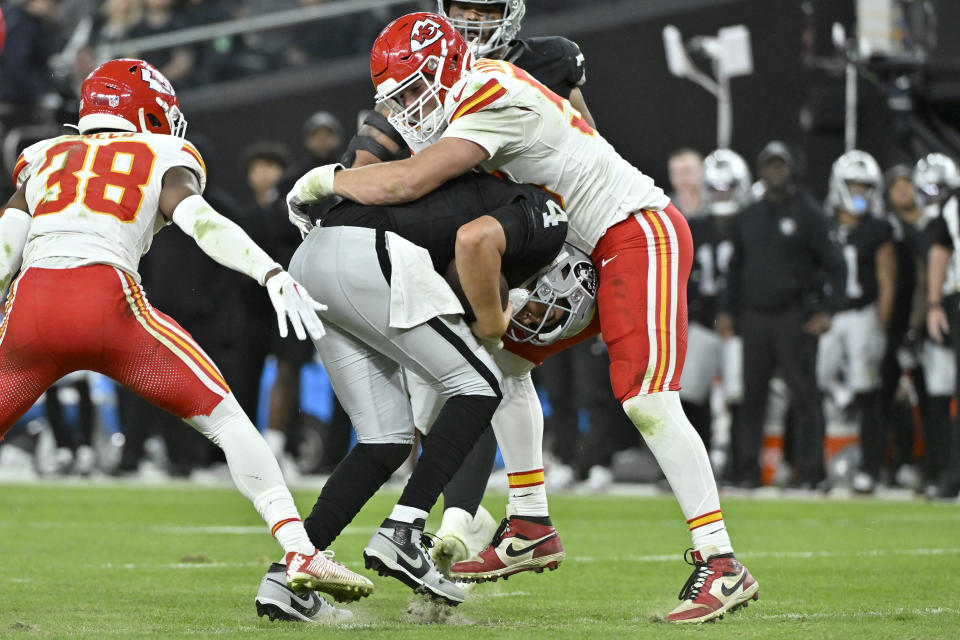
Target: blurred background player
[[786, 278], [850, 351], [77, 303], [685, 172], [938, 181], [903, 395], [725, 189]]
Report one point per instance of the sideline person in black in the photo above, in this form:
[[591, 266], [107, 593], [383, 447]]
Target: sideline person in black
[[943, 322], [785, 278]]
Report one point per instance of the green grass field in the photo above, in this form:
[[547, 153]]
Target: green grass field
[[178, 561]]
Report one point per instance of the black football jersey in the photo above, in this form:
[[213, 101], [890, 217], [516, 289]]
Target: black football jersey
[[533, 222], [910, 244], [859, 245], [712, 250], [554, 61]]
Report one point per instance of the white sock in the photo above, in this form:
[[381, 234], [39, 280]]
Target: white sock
[[684, 461], [277, 440], [403, 513], [529, 501], [255, 471], [518, 425]]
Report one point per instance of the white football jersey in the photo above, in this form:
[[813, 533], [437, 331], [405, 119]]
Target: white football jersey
[[535, 136], [95, 198]]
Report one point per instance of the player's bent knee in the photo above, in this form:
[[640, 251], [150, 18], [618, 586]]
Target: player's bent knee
[[650, 412], [387, 457], [227, 414]]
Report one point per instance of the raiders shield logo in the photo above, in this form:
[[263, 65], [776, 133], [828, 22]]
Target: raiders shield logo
[[424, 33], [587, 276]]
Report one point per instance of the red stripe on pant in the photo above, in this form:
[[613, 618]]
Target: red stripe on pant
[[644, 264]]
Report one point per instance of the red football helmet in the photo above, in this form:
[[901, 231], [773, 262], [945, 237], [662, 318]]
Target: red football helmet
[[417, 48], [130, 95]]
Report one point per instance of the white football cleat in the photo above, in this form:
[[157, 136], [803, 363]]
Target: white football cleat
[[277, 601]]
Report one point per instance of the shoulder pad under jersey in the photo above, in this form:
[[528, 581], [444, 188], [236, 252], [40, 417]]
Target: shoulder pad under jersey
[[554, 61], [480, 89]]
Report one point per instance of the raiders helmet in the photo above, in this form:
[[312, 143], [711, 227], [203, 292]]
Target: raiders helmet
[[566, 294], [935, 175], [725, 183], [492, 36], [856, 167]]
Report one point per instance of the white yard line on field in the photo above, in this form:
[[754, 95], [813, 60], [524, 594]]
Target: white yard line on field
[[782, 554], [927, 611], [650, 558]]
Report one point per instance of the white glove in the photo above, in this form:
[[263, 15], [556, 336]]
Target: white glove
[[313, 186], [292, 301]]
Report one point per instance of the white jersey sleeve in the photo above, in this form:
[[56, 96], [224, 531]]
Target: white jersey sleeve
[[95, 199], [534, 136], [478, 109]]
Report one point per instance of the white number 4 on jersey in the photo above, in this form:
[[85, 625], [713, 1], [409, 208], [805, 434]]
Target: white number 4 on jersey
[[554, 214]]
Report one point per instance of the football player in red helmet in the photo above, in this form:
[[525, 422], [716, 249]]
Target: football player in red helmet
[[77, 303], [130, 95], [414, 87], [491, 28], [498, 117]]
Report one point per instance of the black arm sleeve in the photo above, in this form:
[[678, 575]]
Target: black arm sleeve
[[729, 295], [938, 233], [366, 143]]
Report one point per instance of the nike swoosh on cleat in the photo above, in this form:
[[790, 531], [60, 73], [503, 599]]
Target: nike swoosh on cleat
[[406, 561], [729, 592], [306, 602], [514, 552]]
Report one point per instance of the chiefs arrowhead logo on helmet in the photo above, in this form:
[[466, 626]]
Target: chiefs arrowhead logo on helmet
[[424, 33]]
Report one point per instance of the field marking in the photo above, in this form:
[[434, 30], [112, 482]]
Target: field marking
[[168, 529], [927, 611], [651, 558], [175, 565], [801, 555]]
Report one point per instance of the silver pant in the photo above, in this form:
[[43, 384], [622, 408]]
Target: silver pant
[[343, 268]]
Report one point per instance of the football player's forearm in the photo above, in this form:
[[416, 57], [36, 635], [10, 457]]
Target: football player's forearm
[[378, 184], [222, 239], [14, 227], [479, 250], [936, 272], [886, 282]]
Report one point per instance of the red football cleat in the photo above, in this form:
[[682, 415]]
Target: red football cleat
[[519, 545], [717, 585]]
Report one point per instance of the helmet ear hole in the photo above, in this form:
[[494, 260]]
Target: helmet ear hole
[[154, 120]]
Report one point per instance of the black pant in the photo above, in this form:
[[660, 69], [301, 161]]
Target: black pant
[[950, 478], [777, 342]]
